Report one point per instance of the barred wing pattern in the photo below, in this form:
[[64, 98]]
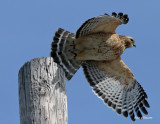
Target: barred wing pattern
[[103, 24], [122, 98]]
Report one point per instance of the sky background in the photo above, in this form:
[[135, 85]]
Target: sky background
[[26, 31]]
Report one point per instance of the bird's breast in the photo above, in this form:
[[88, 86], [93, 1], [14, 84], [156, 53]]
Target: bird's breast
[[99, 47]]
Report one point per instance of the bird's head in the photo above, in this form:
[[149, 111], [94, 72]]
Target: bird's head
[[128, 41]]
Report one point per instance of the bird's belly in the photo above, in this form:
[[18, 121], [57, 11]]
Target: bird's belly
[[103, 54], [99, 53]]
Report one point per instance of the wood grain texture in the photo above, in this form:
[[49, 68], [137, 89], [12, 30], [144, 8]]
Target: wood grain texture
[[42, 93]]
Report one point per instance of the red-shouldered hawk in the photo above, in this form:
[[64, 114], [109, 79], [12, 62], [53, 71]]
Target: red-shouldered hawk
[[97, 48]]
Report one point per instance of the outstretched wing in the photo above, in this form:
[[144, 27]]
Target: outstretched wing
[[103, 24], [110, 82]]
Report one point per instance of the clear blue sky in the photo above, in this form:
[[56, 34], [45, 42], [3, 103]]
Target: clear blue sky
[[26, 31]]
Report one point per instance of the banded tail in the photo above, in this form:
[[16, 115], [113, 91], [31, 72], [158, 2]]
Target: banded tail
[[62, 51]]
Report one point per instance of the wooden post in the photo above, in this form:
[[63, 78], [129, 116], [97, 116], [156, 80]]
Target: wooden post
[[42, 93]]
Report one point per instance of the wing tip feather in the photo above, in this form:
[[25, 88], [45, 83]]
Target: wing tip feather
[[84, 29]]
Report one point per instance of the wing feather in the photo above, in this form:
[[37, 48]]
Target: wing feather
[[123, 98], [104, 23]]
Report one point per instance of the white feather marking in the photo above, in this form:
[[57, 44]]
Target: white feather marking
[[60, 38]]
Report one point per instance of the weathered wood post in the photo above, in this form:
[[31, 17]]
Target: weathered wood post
[[42, 93]]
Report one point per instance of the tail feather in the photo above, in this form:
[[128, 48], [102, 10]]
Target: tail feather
[[62, 49]]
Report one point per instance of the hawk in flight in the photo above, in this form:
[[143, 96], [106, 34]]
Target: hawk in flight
[[97, 49]]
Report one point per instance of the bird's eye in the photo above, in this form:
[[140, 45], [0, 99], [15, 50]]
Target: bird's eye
[[132, 40]]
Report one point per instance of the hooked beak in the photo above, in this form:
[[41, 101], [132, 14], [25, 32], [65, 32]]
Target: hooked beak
[[134, 45]]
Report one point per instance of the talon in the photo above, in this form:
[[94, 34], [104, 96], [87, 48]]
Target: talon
[[114, 14], [75, 55]]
